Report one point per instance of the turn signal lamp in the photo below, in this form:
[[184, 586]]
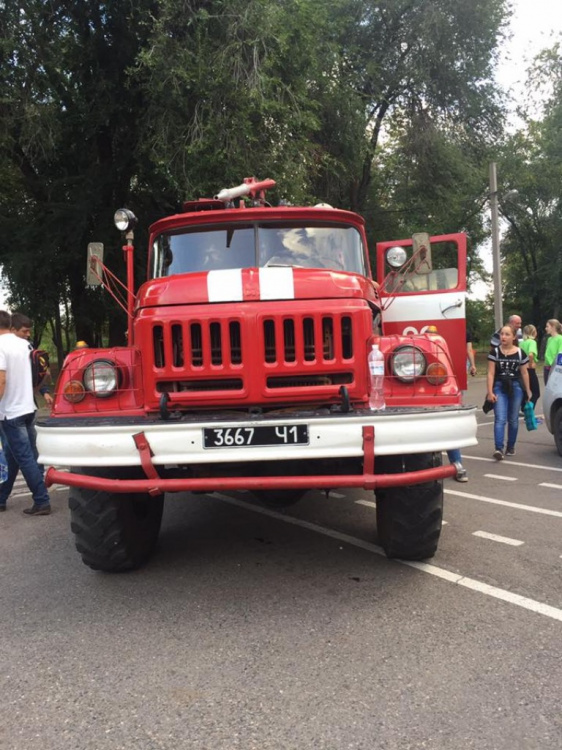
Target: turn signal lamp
[[431, 329], [74, 391], [436, 373]]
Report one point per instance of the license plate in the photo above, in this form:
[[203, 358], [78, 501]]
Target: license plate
[[243, 437]]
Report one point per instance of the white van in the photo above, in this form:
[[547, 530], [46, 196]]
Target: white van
[[552, 402]]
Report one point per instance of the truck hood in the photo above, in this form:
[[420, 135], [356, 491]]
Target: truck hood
[[251, 284]]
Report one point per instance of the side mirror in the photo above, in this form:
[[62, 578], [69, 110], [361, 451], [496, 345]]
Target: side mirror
[[94, 269], [421, 247]]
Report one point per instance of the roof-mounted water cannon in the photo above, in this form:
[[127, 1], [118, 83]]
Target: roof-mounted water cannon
[[251, 187]]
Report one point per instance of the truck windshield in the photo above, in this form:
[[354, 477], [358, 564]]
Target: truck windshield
[[258, 245]]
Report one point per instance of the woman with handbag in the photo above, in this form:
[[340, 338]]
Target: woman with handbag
[[508, 379]]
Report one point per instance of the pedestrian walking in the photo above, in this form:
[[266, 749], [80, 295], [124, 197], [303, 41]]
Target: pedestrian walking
[[17, 413], [529, 346], [21, 326], [455, 458], [454, 455], [515, 322], [470, 360], [508, 379], [553, 329]]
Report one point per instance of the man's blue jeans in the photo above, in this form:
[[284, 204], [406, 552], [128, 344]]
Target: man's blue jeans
[[454, 456], [506, 410], [19, 441]]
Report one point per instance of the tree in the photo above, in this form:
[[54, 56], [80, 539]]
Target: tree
[[230, 92], [531, 166], [110, 104], [428, 61], [68, 119]]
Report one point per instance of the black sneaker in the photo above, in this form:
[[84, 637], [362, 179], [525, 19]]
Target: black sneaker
[[510, 452], [498, 454], [38, 510]]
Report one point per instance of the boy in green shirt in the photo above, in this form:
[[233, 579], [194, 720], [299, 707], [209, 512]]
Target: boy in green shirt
[[554, 330]]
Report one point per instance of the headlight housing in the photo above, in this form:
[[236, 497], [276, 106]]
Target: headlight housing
[[124, 219], [396, 256], [408, 363], [101, 378]]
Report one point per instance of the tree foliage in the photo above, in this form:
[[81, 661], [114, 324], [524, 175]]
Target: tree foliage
[[386, 108], [531, 166]]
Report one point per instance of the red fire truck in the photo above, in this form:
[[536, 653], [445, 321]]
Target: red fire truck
[[246, 369]]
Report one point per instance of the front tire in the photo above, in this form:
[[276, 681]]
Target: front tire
[[409, 518], [114, 532]]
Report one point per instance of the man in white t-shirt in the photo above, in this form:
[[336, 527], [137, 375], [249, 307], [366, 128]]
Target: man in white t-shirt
[[21, 326], [17, 412]]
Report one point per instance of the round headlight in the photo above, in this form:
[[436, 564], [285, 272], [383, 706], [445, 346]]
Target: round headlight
[[101, 378], [408, 363], [396, 256], [124, 219]]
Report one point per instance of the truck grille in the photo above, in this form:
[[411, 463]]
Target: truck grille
[[224, 345], [200, 385], [306, 339], [319, 336], [294, 354], [308, 381]]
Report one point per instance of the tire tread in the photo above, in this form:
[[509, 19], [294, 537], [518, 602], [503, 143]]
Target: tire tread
[[108, 534], [409, 518]]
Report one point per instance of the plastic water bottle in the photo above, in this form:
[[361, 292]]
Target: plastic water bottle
[[376, 370], [529, 413], [3, 466]]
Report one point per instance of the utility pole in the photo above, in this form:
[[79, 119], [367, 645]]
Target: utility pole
[[496, 260]]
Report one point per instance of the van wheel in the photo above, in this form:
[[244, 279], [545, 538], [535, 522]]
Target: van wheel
[[114, 532], [557, 429], [409, 518]]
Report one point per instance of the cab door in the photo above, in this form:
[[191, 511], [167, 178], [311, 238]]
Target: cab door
[[428, 289]]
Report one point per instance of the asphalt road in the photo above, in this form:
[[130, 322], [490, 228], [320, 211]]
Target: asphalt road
[[251, 629]]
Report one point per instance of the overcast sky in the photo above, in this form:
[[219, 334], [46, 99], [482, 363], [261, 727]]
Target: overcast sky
[[535, 25]]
